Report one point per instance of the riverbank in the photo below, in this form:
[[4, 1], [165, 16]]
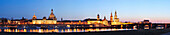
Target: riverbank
[[134, 32]]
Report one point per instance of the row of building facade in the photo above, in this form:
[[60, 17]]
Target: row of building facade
[[53, 20]]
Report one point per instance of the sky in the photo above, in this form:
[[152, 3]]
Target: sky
[[127, 10]]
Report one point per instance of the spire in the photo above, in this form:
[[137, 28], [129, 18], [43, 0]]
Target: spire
[[111, 14], [97, 14], [34, 17], [104, 18], [115, 17], [115, 14], [98, 17], [34, 14], [61, 19], [52, 12], [51, 9], [111, 17], [52, 15]]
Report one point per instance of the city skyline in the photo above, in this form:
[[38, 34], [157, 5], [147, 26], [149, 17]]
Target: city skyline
[[79, 10]]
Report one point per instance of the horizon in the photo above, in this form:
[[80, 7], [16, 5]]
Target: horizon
[[156, 11]]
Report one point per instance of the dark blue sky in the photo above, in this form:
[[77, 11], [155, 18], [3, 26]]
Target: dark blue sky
[[128, 10]]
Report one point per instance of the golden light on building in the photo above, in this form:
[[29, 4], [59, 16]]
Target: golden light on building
[[90, 22], [98, 17], [115, 17], [68, 25], [116, 21], [34, 17], [52, 16], [111, 17]]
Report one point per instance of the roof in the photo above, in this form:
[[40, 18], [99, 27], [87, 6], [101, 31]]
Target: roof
[[91, 19], [16, 20], [28, 20], [42, 19], [70, 21]]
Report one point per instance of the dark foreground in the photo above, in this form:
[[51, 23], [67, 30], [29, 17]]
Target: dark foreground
[[134, 32]]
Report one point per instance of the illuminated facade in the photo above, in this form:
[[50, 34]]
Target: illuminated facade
[[53, 20], [116, 20], [52, 16], [98, 22], [34, 17], [98, 17], [111, 17], [105, 21], [44, 21], [50, 20], [115, 17]]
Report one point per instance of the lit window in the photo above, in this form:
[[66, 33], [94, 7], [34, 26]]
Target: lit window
[[33, 22]]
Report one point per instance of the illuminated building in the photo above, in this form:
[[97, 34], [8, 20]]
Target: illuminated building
[[70, 23], [34, 17], [115, 17], [116, 20], [44, 21], [22, 21], [98, 17], [146, 21], [93, 22], [50, 20], [52, 16], [104, 18], [16, 21], [105, 21], [98, 22], [111, 17]]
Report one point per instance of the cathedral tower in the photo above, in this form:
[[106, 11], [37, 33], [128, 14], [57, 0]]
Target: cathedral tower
[[111, 17], [104, 18], [115, 17], [98, 17]]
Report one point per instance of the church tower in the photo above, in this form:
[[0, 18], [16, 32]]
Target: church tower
[[104, 18], [52, 16], [111, 17], [34, 17], [98, 17], [115, 17]]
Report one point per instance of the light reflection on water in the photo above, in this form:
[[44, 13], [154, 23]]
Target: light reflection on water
[[62, 30], [0, 30]]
